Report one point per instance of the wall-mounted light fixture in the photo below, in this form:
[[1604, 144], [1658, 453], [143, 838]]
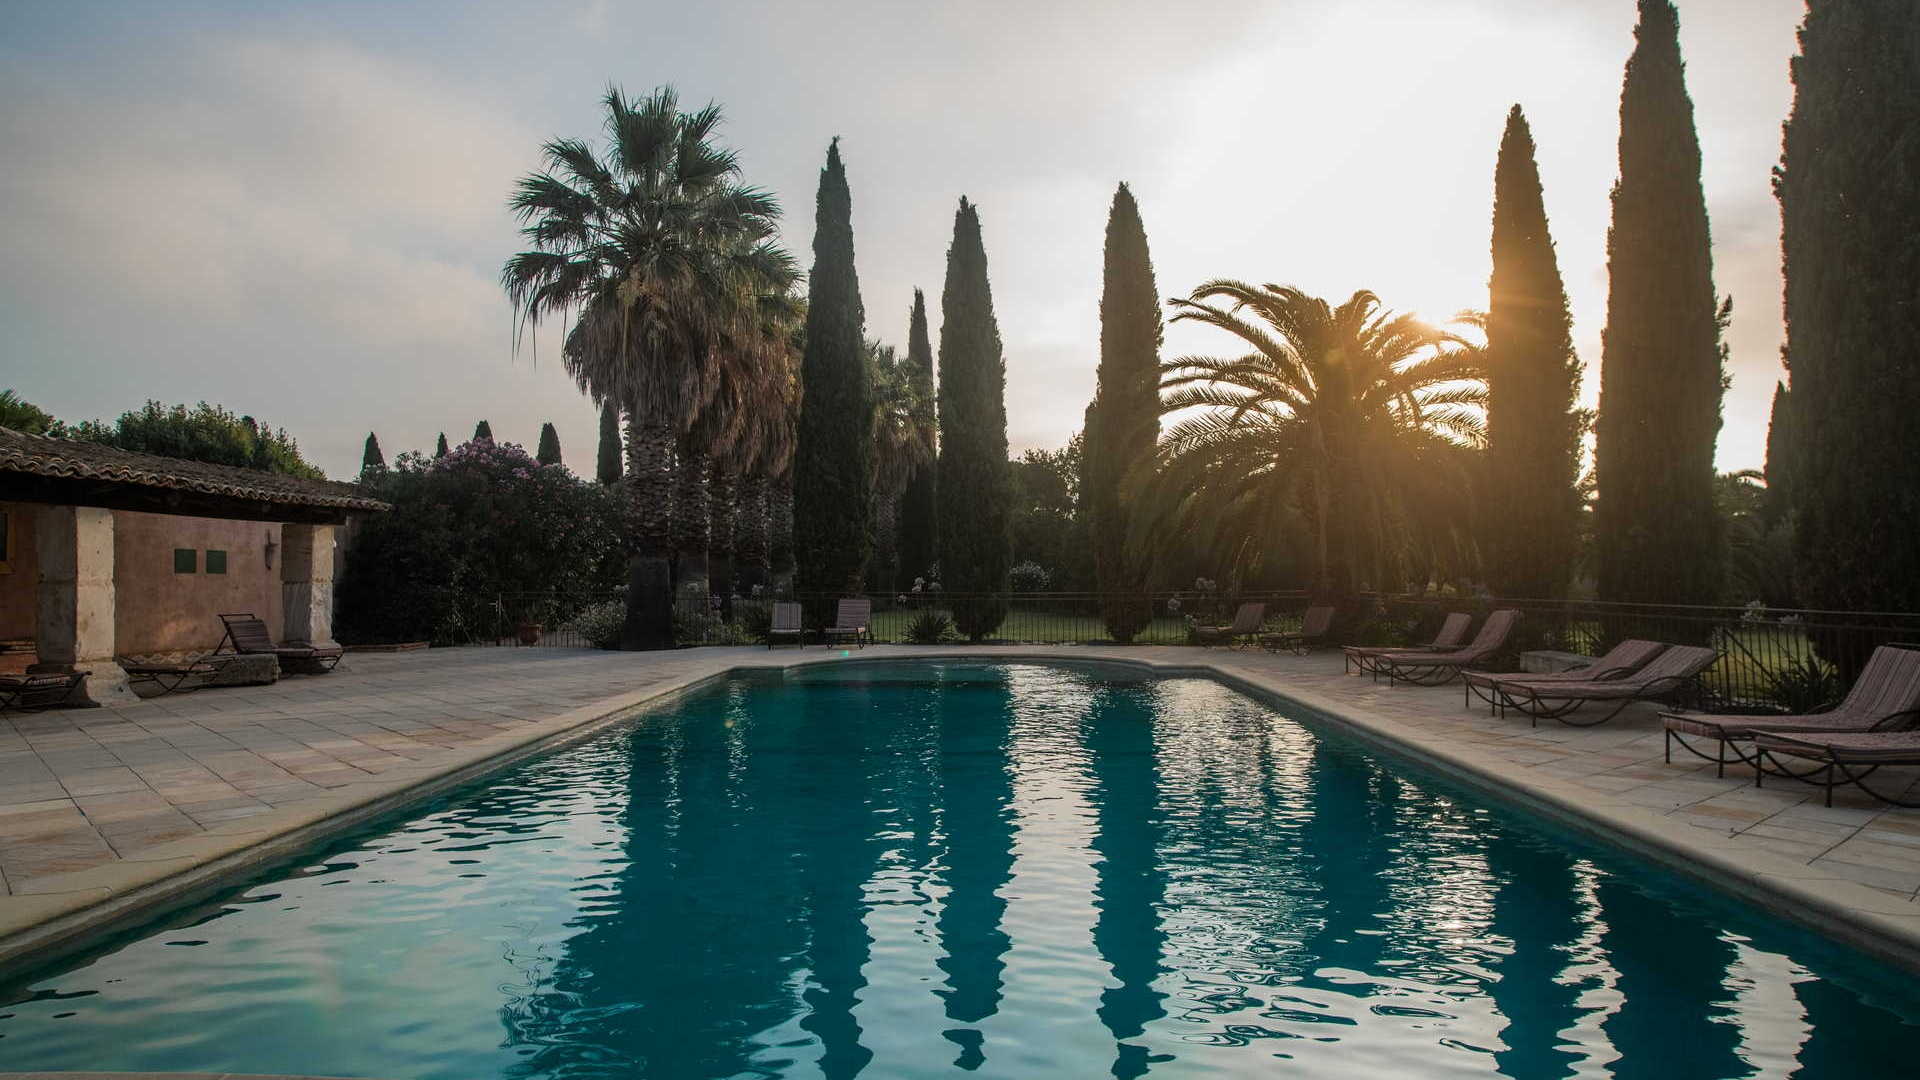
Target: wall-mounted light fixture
[[272, 546]]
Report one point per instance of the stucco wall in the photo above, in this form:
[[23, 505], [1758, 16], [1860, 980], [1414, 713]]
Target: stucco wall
[[18, 589], [158, 610]]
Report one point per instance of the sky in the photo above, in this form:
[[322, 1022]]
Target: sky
[[298, 210]]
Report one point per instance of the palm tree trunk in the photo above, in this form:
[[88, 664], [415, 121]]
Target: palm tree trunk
[[780, 545], [723, 493], [691, 524], [649, 622], [750, 566]]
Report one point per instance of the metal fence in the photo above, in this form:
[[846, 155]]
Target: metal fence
[[1769, 657]]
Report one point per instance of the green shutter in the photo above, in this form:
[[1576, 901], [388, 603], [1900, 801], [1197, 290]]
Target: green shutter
[[185, 560], [216, 562]]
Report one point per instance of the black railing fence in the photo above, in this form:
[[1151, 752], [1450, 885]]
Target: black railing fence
[[1769, 657]]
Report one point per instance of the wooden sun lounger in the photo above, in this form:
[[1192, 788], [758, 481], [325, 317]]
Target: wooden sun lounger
[[1452, 635], [249, 635], [1314, 627], [852, 622], [39, 691], [1246, 623], [1620, 661], [1673, 674], [1437, 669], [173, 676], [1885, 697], [787, 623]]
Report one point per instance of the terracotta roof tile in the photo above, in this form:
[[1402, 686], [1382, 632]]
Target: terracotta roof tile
[[42, 456]]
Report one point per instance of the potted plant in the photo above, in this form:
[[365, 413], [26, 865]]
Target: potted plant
[[529, 632]]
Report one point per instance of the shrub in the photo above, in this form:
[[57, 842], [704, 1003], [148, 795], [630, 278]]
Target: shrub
[[930, 628], [465, 529], [600, 623], [1029, 577], [1804, 685]]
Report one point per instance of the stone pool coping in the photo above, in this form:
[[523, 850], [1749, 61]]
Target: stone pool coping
[[64, 911]]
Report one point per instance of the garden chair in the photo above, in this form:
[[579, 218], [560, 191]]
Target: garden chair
[[1885, 697], [1246, 623], [249, 636], [787, 623], [39, 691], [852, 622], [1623, 659], [1841, 757], [1673, 674], [1452, 635], [1437, 669], [172, 676], [1314, 626]]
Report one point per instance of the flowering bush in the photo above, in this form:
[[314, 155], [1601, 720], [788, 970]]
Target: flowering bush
[[1029, 577], [484, 521]]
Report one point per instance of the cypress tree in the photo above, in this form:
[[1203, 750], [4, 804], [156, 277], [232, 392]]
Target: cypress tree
[[1657, 531], [371, 459], [607, 468], [440, 448], [975, 485], [549, 452], [1850, 217], [483, 430], [1533, 433], [919, 503], [833, 452], [1123, 421], [1779, 464]]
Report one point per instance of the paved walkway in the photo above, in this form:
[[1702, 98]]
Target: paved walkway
[[85, 792]]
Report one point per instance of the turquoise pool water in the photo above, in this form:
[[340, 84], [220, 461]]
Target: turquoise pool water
[[929, 870]]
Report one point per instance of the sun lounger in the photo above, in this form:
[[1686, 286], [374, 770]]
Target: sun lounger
[[1436, 669], [39, 691], [1620, 661], [1246, 623], [1885, 697], [1672, 675], [1844, 758], [1452, 635], [852, 622], [786, 624], [172, 676], [1314, 627], [248, 635]]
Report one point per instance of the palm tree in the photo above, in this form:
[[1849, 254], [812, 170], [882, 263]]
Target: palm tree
[[902, 445], [1349, 419], [664, 259]]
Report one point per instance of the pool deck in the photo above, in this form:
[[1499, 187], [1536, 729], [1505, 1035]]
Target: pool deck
[[105, 813]]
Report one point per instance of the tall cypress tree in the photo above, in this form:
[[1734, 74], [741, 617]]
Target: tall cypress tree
[[919, 503], [1850, 217], [483, 430], [1779, 465], [1123, 421], [549, 452], [440, 448], [976, 546], [833, 452], [371, 459], [607, 466], [1532, 505], [1657, 531]]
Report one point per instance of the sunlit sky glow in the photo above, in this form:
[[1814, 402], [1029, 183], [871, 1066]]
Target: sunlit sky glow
[[298, 211]]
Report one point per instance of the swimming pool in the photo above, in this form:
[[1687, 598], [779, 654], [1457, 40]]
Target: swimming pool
[[921, 869]]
